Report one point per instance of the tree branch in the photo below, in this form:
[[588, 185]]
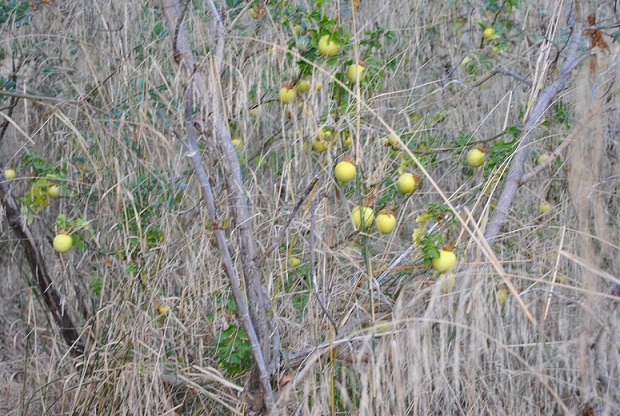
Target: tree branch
[[545, 98], [253, 312]]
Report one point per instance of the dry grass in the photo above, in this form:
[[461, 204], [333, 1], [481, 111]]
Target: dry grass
[[428, 352]]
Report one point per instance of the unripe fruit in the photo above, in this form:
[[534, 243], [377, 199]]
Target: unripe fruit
[[10, 174], [319, 86], [475, 158], [541, 158], [355, 73], [356, 216], [319, 145], [287, 95], [445, 262], [327, 46], [345, 171], [545, 208], [488, 33], [502, 295], [62, 243], [303, 85], [407, 183], [347, 140], [53, 191], [294, 261], [324, 133], [385, 222], [390, 140], [237, 142]]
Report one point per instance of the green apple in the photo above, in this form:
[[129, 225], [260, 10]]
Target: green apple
[[407, 183], [327, 46], [303, 85], [475, 158], [287, 95], [488, 33], [385, 222], [53, 191], [445, 262], [355, 73], [361, 211], [345, 171], [10, 173], [545, 208], [62, 243], [541, 158], [294, 261]]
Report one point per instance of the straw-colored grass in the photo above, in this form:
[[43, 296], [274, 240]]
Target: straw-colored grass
[[114, 117]]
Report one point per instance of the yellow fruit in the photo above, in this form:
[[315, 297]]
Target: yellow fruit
[[294, 261], [345, 171], [62, 243], [237, 142], [319, 145], [10, 174], [502, 295], [303, 85], [541, 158], [390, 140], [327, 46], [545, 208], [53, 191], [319, 86], [355, 73], [324, 133], [406, 183], [347, 140], [445, 262], [488, 33], [356, 216], [475, 158], [164, 309], [287, 95], [254, 111], [254, 13], [385, 222]]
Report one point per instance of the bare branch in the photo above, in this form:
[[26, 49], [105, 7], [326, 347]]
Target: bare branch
[[545, 98], [252, 312]]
